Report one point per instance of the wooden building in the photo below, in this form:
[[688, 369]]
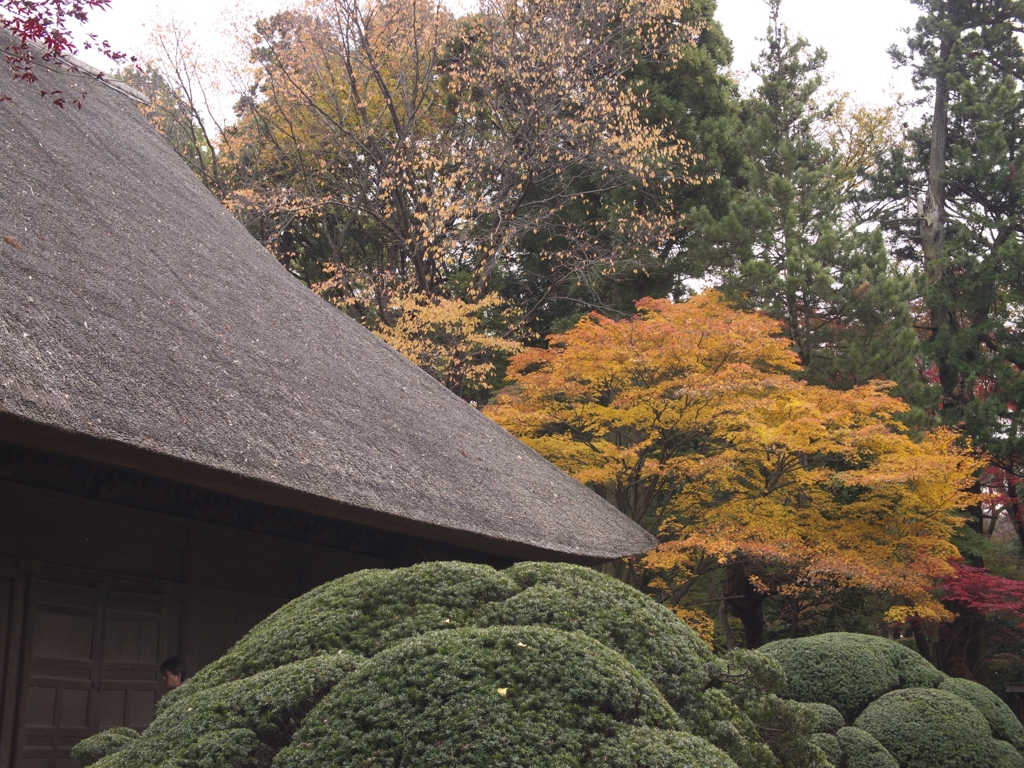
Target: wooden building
[[189, 437]]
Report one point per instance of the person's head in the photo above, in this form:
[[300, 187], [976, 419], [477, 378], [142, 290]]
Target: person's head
[[172, 672]]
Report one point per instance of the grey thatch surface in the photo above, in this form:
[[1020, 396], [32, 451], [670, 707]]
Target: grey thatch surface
[[141, 325]]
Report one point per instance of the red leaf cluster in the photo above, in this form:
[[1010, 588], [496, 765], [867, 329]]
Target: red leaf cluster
[[977, 590], [44, 23]]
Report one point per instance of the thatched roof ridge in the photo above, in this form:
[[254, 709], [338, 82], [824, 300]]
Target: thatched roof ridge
[[142, 326]]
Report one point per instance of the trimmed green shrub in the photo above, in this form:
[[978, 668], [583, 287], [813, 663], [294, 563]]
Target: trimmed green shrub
[[931, 728], [362, 613], [270, 706], [457, 664], [828, 744], [102, 744], [650, 748], [572, 598], [848, 671], [715, 717], [501, 696], [1001, 720], [233, 748], [786, 727], [827, 719], [747, 674], [862, 750]]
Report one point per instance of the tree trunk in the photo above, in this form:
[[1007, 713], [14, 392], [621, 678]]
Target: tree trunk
[[931, 211], [745, 603]]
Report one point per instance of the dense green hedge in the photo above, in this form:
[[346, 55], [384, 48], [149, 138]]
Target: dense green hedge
[[849, 671], [529, 696], [365, 612], [405, 666], [1001, 720], [545, 665], [862, 750], [362, 613], [650, 636], [102, 744], [931, 728], [828, 719], [238, 720]]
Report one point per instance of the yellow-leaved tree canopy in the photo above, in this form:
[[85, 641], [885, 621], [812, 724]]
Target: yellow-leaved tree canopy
[[688, 417]]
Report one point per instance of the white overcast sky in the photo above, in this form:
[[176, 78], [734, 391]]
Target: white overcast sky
[[856, 35]]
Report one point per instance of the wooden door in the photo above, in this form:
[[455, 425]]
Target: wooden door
[[93, 658]]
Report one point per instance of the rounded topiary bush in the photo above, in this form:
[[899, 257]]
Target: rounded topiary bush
[[862, 750], [1001, 720], [572, 598], [104, 743], [848, 671], [451, 663], [828, 744], [362, 613], [931, 728], [828, 719], [366, 612], [500, 696]]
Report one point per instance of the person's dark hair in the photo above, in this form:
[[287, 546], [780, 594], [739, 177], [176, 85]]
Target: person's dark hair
[[175, 666]]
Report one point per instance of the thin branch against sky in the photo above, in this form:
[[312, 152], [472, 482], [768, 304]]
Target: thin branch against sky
[[856, 35]]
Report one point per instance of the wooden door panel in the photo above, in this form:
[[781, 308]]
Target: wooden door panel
[[94, 659]]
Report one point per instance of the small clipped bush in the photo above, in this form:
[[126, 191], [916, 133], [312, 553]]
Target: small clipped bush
[[233, 748], [787, 727], [746, 719], [102, 744], [827, 719], [828, 744], [531, 697], [572, 598], [848, 671], [862, 750], [931, 728], [1001, 720]]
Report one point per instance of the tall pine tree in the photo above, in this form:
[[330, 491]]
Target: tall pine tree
[[791, 244], [957, 211]]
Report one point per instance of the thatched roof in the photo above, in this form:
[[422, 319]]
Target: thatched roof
[[141, 326]]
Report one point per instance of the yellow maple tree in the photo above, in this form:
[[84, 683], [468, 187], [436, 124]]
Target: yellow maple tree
[[452, 340], [688, 417]]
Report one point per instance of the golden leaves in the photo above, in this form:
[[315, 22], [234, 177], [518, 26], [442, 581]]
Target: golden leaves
[[688, 417], [430, 146], [449, 338]]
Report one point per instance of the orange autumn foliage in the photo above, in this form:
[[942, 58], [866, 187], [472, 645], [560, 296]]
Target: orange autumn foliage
[[688, 417]]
